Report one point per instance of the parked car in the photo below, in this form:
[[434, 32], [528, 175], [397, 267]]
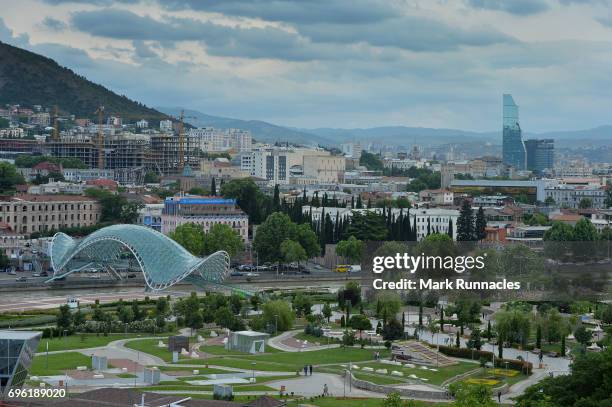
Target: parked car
[[131, 275], [252, 274], [44, 274], [342, 268], [236, 274], [35, 274], [21, 279]]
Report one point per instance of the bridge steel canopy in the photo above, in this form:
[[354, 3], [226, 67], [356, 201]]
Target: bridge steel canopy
[[163, 261]]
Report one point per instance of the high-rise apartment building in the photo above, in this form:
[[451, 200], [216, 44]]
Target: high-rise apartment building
[[540, 155], [514, 152]]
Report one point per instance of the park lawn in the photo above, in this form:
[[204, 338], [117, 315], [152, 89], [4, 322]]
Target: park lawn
[[58, 363], [238, 364], [379, 379], [260, 379], [78, 341], [314, 339], [320, 357], [437, 378], [150, 346]]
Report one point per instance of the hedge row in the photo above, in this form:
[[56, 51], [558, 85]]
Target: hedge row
[[28, 321], [474, 354]]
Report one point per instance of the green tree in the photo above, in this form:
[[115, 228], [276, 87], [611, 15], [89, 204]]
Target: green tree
[[64, 319], [4, 260], [278, 311], [161, 306], [278, 227], [481, 224], [9, 178], [292, 251], [465, 223], [222, 237], [360, 322], [213, 187], [583, 335], [255, 302], [549, 201], [371, 161], [392, 330], [475, 342], [351, 292], [327, 311], [125, 314], [584, 231], [248, 197], [350, 248], [559, 232], [367, 226], [467, 395], [190, 236], [585, 203], [78, 318], [151, 177]]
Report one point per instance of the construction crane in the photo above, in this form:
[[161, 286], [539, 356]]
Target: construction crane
[[100, 137], [181, 142]]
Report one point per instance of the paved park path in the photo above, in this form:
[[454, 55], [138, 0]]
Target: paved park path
[[277, 342]]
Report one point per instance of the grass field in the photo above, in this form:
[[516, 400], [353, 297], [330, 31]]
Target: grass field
[[150, 346], [436, 378], [288, 361], [58, 362], [78, 341]]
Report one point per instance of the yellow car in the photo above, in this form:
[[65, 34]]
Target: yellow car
[[342, 268]]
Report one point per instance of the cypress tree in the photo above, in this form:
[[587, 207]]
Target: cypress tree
[[276, 203], [450, 228], [359, 205], [563, 346], [465, 223], [458, 340], [352, 202], [481, 224], [442, 319], [421, 314], [428, 226], [213, 187]]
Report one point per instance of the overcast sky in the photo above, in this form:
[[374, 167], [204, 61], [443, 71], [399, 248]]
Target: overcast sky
[[332, 63]]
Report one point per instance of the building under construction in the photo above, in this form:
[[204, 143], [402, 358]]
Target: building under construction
[[137, 153]]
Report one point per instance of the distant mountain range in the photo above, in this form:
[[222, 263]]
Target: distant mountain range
[[262, 131], [30, 79]]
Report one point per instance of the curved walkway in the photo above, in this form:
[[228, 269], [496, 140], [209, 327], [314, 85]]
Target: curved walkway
[[277, 343], [313, 386]]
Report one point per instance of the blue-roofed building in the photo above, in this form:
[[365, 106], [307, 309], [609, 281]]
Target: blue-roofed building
[[205, 211]]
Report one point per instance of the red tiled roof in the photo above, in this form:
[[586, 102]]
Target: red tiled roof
[[46, 165], [103, 182]]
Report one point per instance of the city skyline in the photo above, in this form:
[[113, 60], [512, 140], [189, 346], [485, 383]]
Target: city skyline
[[334, 66]]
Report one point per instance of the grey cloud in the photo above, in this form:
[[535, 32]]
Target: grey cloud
[[53, 24], [410, 33], [267, 42], [518, 7], [295, 11], [143, 50]]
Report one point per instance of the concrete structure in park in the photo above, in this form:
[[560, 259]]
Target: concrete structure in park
[[247, 341], [17, 349], [162, 261], [205, 211], [36, 213]]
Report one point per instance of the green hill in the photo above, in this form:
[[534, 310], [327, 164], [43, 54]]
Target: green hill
[[30, 79]]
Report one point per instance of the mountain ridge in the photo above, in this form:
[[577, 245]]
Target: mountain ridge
[[28, 79]]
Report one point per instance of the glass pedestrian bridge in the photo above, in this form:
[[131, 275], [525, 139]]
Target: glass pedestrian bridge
[[162, 261]]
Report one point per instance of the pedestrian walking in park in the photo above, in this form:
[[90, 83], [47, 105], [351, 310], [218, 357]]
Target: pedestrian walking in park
[[310, 369], [306, 370], [325, 390], [499, 397]]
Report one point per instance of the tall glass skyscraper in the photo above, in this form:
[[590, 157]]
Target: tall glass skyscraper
[[540, 155], [513, 149]]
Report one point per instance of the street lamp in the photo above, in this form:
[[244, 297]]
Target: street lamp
[[253, 364]]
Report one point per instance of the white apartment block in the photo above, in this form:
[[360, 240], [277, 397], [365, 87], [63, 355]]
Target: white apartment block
[[211, 139], [12, 132], [142, 124], [569, 196], [40, 119], [165, 125], [402, 164], [352, 150]]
